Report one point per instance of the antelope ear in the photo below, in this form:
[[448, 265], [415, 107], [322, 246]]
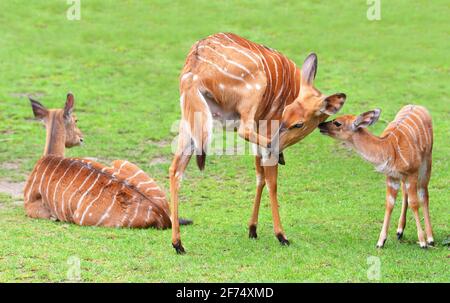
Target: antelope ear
[[39, 110], [68, 108], [366, 119], [309, 69], [332, 104]]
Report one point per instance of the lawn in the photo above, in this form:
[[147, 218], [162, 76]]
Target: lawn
[[122, 61]]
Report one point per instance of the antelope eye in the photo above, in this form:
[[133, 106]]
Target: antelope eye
[[337, 123], [298, 125]]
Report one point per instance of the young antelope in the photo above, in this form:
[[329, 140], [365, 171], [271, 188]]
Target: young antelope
[[402, 152]]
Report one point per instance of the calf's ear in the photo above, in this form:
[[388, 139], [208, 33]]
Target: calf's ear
[[366, 119]]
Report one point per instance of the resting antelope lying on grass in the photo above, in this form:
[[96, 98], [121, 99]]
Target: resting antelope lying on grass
[[231, 79], [402, 153], [85, 192]]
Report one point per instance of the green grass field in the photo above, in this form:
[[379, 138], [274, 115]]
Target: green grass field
[[122, 61]]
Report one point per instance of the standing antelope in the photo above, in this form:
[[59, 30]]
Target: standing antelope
[[402, 153], [227, 77], [86, 192]]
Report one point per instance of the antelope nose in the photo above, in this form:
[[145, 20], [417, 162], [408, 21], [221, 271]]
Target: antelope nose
[[81, 140]]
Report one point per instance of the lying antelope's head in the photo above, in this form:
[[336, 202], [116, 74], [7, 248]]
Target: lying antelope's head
[[61, 119], [343, 128], [310, 108]]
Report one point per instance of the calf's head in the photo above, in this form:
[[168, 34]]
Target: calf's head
[[343, 128]]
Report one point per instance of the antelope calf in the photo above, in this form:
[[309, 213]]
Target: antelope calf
[[229, 78], [402, 153], [85, 192]]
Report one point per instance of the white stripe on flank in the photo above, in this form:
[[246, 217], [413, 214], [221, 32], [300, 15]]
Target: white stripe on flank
[[120, 168], [68, 186], [398, 149], [265, 65], [410, 131], [135, 175], [28, 194], [56, 189], [75, 191], [50, 178], [220, 69], [159, 198], [228, 61], [92, 202], [411, 147], [276, 71], [145, 182], [87, 191], [149, 211], [43, 176], [236, 49], [106, 214], [152, 188], [135, 214], [423, 126], [417, 132]]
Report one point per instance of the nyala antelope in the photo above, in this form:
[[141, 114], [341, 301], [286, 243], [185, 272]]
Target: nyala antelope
[[402, 153], [85, 192], [227, 77]]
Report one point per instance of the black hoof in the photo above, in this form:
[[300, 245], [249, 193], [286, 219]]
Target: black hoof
[[179, 248], [252, 232], [431, 243], [399, 235], [281, 159], [283, 240], [382, 245]]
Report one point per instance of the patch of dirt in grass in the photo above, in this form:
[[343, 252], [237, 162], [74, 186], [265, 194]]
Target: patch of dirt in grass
[[19, 95], [14, 189], [10, 165], [160, 143], [159, 160]]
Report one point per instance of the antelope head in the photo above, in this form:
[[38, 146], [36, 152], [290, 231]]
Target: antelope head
[[61, 124], [310, 108]]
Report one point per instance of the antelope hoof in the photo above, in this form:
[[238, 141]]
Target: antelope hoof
[[381, 244], [179, 248], [281, 159], [430, 243], [399, 235], [283, 240], [423, 245], [252, 232]]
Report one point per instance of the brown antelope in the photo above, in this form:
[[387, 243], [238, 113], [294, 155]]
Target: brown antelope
[[227, 77], [85, 192], [402, 153]]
